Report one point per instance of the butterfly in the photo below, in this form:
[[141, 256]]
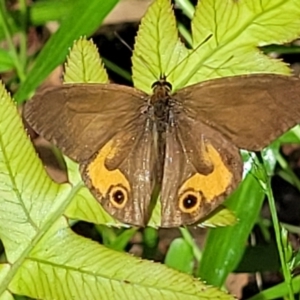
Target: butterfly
[[186, 143]]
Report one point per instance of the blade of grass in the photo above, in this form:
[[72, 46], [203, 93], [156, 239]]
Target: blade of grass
[[44, 11], [278, 291], [115, 68], [284, 263], [187, 7], [84, 19], [185, 33], [225, 246], [8, 35], [23, 33]]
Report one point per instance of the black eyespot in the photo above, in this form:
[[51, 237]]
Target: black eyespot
[[189, 201], [118, 196]]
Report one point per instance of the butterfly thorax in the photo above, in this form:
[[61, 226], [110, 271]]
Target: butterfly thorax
[[161, 103]]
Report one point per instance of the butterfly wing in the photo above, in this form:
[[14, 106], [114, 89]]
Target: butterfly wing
[[250, 111], [201, 169], [121, 175], [105, 129], [81, 118]]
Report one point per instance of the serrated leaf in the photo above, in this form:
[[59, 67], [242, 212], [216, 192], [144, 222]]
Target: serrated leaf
[[228, 33], [84, 64], [81, 269], [20, 172], [221, 217], [157, 48], [237, 28]]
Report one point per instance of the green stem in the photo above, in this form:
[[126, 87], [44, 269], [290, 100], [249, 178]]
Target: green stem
[[190, 240], [186, 34], [115, 68], [284, 265], [23, 34], [14, 54], [187, 7]]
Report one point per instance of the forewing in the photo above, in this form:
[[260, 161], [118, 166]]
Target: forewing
[[81, 118], [250, 111], [201, 169]]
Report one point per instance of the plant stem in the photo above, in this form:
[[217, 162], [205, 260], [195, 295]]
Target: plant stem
[[284, 265], [187, 7], [23, 34]]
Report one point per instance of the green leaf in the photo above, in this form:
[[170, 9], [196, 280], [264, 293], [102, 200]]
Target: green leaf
[[180, 256], [114, 238], [84, 64], [292, 136], [225, 36], [90, 271], [237, 29], [50, 10], [278, 291], [157, 48], [84, 19], [220, 217], [228, 244], [6, 62], [19, 224], [269, 156], [7, 296], [4, 271]]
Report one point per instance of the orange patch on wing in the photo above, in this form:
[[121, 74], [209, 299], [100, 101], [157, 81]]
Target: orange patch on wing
[[213, 184], [102, 178]]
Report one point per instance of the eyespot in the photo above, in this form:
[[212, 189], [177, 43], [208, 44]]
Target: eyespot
[[118, 196], [189, 201]]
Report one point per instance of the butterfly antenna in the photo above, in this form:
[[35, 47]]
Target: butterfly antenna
[[140, 57], [123, 41], [191, 53]]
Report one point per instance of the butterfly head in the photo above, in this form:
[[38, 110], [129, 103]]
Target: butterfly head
[[162, 87]]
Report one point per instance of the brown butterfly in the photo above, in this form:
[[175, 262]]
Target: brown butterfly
[[186, 142]]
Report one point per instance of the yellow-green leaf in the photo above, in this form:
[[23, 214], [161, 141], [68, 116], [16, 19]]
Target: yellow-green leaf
[[84, 64]]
